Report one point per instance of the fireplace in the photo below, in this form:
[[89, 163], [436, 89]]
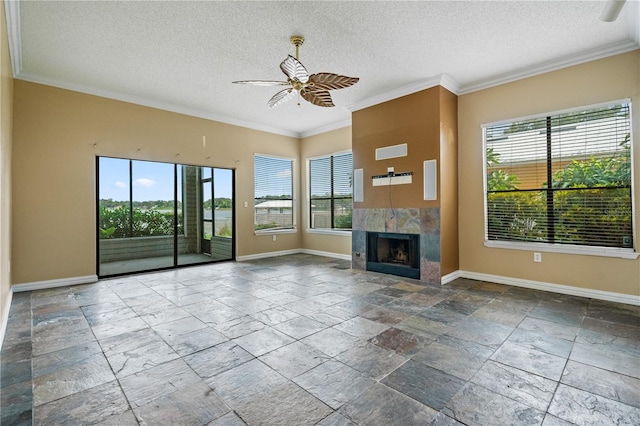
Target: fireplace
[[394, 253]]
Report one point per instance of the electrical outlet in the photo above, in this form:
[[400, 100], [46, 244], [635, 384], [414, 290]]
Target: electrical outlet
[[246, 204], [537, 257], [274, 238]]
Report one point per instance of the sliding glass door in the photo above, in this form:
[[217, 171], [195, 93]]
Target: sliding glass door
[[155, 215]]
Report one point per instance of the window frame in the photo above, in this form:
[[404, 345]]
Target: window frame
[[282, 230], [333, 230], [618, 252]]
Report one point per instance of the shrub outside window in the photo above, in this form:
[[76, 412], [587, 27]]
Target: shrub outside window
[[561, 178]]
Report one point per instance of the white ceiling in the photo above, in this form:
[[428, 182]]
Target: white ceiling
[[183, 55]]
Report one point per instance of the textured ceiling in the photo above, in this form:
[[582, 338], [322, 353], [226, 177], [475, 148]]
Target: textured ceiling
[[183, 55]]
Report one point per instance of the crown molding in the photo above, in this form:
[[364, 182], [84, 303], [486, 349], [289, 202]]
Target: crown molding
[[633, 20], [577, 59], [450, 84], [326, 128], [453, 86], [12, 12], [440, 80], [155, 104]]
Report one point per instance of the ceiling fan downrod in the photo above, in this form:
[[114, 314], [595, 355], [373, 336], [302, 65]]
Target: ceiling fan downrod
[[297, 41]]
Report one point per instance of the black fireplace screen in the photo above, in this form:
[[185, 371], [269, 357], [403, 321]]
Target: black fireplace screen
[[393, 253]]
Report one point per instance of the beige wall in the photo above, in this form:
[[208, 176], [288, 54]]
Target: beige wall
[[448, 182], [6, 113], [413, 119], [57, 135], [604, 80], [313, 146]]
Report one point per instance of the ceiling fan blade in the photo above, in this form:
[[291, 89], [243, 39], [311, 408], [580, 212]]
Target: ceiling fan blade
[[293, 69], [281, 97], [329, 81], [611, 10], [262, 82], [317, 97]]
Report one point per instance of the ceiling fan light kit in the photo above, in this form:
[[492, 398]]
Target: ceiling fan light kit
[[313, 88]]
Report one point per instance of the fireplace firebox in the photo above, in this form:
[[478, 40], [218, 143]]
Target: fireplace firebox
[[393, 253]]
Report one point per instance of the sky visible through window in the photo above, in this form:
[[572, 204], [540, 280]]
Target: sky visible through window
[[151, 181]]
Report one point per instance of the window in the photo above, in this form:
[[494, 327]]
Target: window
[[273, 178], [331, 192], [561, 179]]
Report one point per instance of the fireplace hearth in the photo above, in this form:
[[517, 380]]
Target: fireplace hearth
[[394, 253]]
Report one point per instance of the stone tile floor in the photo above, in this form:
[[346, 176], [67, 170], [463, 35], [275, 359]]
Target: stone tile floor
[[303, 339]]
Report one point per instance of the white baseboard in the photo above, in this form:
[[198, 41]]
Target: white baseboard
[[267, 254], [516, 282], [450, 277], [43, 285], [293, 251], [5, 316], [39, 285], [327, 254], [554, 288]]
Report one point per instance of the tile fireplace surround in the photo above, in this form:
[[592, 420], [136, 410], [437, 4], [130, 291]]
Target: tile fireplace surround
[[424, 222]]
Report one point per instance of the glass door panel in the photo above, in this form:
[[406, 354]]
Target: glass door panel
[[222, 241], [136, 216], [191, 244], [114, 213], [153, 197], [207, 216]]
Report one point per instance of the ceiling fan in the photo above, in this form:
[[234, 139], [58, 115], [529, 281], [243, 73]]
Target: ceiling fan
[[313, 88]]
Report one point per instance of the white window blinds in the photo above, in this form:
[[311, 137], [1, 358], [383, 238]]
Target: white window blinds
[[273, 183], [585, 155], [330, 185]]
